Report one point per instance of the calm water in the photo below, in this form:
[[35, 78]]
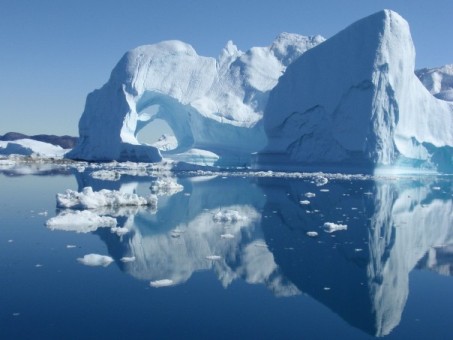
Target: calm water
[[388, 274]]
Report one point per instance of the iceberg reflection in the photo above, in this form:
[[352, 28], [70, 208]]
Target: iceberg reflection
[[265, 231]]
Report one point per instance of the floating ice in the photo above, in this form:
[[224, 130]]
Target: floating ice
[[320, 181], [95, 260], [79, 221], [161, 283], [89, 199], [32, 148], [227, 236], [310, 194], [331, 227], [165, 187], [312, 233], [106, 175], [304, 202]]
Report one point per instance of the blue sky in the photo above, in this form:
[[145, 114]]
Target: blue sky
[[53, 53]]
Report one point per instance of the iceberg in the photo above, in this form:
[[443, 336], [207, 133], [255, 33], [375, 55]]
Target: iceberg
[[32, 148], [355, 100], [214, 105]]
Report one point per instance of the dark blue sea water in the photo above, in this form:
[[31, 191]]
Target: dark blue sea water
[[387, 275]]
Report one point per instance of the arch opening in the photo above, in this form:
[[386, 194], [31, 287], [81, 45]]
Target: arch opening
[[160, 115], [159, 134]]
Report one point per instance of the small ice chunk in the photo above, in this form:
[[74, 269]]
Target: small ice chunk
[[70, 246], [106, 175], [331, 227], [127, 259], [321, 180], [161, 283], [213, 257], [165, 187], [95, 260], [43, 213], [89, 199], [310, 194], [83, 221], [38, 265], [227, 236], [304, 202], [326, 288], [312, 233], [324, 190], [119, 231]]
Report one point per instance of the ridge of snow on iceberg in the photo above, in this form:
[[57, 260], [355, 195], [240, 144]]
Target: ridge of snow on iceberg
[[89, 199], [210, 104], [355, 100]]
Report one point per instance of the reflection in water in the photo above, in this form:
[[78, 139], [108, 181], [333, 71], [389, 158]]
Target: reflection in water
[[360, 273]]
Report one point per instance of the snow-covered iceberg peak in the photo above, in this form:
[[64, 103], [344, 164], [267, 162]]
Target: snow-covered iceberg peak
[[210, 104], [355, 99]]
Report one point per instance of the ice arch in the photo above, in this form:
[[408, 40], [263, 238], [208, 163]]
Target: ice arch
[[215, 105]]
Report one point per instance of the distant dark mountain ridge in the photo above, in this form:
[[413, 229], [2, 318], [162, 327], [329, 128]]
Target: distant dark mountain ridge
[[66, 142]]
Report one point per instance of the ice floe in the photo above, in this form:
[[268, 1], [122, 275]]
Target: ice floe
[[89, 199], [95, 260], [106, 175], [165, 187], [331, 227], [83, 221]]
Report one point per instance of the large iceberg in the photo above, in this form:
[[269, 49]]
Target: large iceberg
[[355, 100], [215, 105]]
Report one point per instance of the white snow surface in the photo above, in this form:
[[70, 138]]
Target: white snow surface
[[210, 104], [30, 147], [89, 199], [355, 99]]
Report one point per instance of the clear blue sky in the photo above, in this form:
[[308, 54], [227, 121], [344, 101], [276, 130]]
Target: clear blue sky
[[53, 53]]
